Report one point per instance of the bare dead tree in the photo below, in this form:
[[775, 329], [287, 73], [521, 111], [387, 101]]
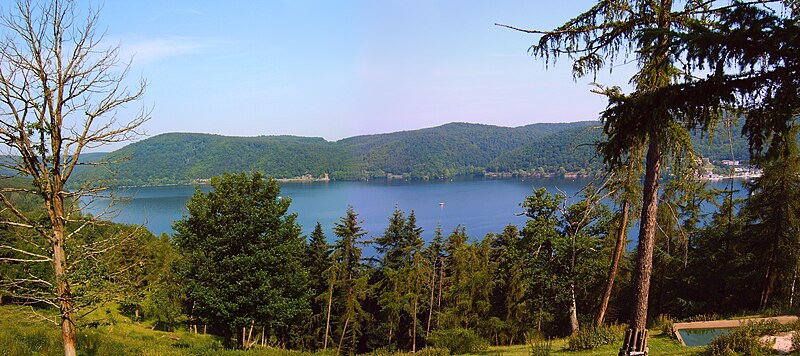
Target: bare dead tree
[[61, 89]]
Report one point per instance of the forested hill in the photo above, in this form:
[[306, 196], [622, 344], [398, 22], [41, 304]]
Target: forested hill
[[451, 149]]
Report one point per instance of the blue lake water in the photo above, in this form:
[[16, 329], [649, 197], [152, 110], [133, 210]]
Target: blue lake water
[[481, 205]]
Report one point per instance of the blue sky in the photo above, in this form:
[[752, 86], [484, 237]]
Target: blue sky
[[336, 69]]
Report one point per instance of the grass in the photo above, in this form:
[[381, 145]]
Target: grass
[[23, 334], [114, 334], [659, 345]]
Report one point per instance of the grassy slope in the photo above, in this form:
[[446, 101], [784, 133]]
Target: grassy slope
[[22, 335]]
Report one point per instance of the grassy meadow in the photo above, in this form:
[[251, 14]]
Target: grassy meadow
[[106, 332]]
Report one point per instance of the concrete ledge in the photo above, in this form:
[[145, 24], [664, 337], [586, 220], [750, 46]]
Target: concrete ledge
[[726, 324]]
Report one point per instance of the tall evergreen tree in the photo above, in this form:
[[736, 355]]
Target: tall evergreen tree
[[468, 281], [242, 257], [773, 216], [389, 288], [416, 272], [351, 280], [434, 253], [318, 261], [509, 302]]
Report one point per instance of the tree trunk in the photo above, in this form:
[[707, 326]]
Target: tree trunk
[[791, 292], [344, 332], [647, 234], [574, 327], [414, 327], [612, 272], [250, 334], [391, 331], [63, 291], [328, 320], [430, 309], [242, 340], [441, 286], [769, 278]]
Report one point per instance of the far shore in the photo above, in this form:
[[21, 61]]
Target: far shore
[[490, 175]]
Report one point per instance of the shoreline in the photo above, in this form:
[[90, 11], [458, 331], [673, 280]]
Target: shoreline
[[487, 175]]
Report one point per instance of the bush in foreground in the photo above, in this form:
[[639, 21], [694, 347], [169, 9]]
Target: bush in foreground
[[745, 340], [591, 337], [458, 341]]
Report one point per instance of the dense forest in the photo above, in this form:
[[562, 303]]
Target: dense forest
[[433, 153], [240, 268]]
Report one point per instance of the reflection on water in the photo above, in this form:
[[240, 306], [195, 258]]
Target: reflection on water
[[701, 337]]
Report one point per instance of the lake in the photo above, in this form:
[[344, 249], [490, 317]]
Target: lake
[[481, 205]]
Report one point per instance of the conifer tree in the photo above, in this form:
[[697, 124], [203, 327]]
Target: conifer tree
[[351, 280], [468, 281], [389, 289], [773, 215], [416, 272], [510, 302], [434, 254], [242, 257], [669, 100], [318, 262]]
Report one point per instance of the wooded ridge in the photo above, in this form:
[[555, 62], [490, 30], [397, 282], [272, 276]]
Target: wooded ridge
[[432, 153]]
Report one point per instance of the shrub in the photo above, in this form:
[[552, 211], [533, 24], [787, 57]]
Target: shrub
[[735, 342], [745, 339], [591, 337], [540, 347], [666, 325], [458, 341], [703, 317]]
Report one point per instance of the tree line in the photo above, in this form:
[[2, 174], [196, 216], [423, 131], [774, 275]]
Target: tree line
[[240, 267]]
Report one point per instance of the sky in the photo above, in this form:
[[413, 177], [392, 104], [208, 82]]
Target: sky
[[336, 69]]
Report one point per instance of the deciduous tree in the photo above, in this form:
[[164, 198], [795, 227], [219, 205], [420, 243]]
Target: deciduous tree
[[60, 91]]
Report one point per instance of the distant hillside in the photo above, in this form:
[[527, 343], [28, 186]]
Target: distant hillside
[[432, 153], [186, 157]]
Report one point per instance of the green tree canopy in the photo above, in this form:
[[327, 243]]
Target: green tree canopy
[[242, 256]]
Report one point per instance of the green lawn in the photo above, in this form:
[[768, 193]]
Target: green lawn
[[23, 334], [659, 345]]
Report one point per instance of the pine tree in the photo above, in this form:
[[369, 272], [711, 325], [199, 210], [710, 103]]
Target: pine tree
[[318, 262], [509, 297], [434, 254], [416, 272], [351, 280], [388, 290]]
